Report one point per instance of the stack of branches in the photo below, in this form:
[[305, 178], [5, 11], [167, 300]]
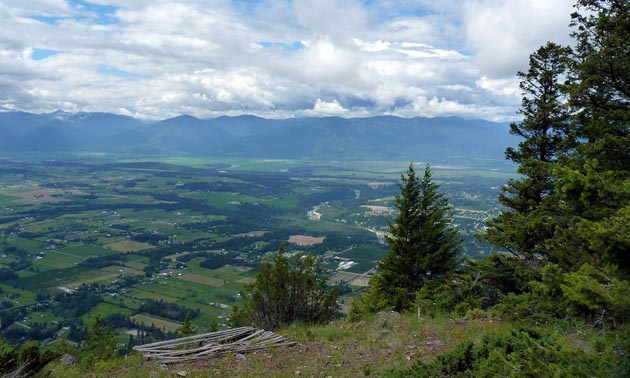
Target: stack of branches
[[213, 344]]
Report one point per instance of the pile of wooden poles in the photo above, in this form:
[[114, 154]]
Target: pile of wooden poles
[[213, 344]]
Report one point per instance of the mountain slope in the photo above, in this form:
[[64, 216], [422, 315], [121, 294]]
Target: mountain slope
[[329, 138]]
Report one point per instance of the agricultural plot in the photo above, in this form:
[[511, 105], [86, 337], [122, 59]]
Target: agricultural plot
[[128, 246], [160, 323], [204, 280]]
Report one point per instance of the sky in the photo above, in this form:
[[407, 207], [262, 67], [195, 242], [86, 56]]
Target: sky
[[156, 59]]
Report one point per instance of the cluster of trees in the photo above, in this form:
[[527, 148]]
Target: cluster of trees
[[568, 215], [6, 274], [167, 310], [98, 262]]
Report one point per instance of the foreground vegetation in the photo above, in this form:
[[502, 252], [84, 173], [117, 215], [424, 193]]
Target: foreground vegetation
[[394, 345]]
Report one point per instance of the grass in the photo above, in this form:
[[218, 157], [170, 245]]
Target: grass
[[372, 347], [364, 256], [103, 275], [161, 323], [22, 297], [85, 251], [210, 281], [105, 309], [50, 278], [31, 246], [60, 260], [6, 198]]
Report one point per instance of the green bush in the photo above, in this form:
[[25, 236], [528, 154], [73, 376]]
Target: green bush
[[596, 294], [8, 357], [286, 291], [520, 353], [27, 360]]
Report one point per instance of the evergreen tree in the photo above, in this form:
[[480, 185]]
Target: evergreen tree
[[99, 343], [187, 328], [524, 226], [286, 291], [594, 181], [423, 245]]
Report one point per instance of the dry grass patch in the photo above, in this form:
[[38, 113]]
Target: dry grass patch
[[101, 278], [251, 234], [128, 246], [354, 279], [210, 281], [343, 349], [161, 323], [378, 209], [137, 265], [305, 240], [43, 195]]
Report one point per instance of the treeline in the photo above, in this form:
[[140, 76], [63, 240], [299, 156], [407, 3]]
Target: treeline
[[80, 302], [98, 262], [6, 274], [213, 260], [148, 237], [167, 310]]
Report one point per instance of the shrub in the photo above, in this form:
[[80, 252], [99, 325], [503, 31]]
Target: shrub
[[520, 353], [286, 291]]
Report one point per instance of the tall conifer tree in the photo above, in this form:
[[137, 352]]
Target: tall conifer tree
[[524, 227], [594, 182], [423, 245]]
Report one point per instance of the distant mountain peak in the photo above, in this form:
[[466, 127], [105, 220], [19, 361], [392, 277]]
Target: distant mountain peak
[[183, 117], [60, 115]]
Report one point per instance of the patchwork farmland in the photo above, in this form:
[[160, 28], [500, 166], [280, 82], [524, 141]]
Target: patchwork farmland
[[119, 238]]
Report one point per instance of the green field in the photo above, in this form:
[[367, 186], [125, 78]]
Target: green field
[[160, 323]]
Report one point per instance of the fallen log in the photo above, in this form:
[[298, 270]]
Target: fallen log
[[213, 344]]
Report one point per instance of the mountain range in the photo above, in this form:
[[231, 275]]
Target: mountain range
[[328, 138]]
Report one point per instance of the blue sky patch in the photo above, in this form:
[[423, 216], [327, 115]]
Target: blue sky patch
[[50, 20], [293, 46], [99, 14], [113, 71], [41, 54], [85, 11]]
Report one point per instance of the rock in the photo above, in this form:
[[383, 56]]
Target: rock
[[68, 359], [182, 373], [386, 318]]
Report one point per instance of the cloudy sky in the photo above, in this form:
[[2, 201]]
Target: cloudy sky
[[156, 59]]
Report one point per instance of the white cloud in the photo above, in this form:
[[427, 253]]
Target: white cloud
[[440, 107], [503, 33], [323, 108], [157, 59], [47, 8]]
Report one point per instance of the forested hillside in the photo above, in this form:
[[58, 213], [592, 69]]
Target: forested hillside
[[448, 139]]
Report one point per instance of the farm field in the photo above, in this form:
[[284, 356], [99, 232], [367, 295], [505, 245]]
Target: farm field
[[145, 242]]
